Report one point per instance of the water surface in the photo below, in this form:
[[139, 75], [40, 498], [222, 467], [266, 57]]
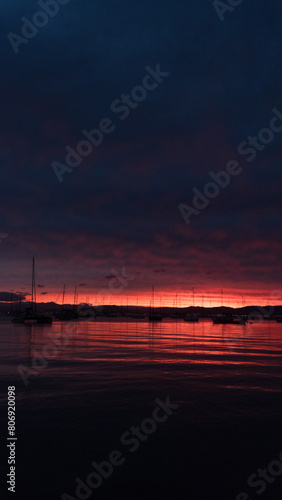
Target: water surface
[[105, 377]]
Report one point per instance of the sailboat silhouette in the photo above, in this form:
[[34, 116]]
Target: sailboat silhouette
[[31, 316], [153, 316]]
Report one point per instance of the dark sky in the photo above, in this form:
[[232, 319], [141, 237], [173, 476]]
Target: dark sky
[[119, 207]]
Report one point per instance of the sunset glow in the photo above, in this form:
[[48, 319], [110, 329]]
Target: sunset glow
[[165, 298]]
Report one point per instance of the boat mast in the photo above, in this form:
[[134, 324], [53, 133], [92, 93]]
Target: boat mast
[[63, 300], [33, 287], [20, 302], [11, 301]]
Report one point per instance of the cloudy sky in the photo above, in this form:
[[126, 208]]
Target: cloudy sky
[[119, 208]]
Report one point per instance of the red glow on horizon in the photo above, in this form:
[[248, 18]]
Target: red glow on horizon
[[164, 298]]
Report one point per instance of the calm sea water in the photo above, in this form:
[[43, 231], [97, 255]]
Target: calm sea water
[[104, 377]]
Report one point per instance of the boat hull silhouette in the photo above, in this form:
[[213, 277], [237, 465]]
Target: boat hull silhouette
[[33, 320], [228, 320], [191, 318]]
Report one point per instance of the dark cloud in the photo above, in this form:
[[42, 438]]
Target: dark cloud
[[119, 207], [11, 297]]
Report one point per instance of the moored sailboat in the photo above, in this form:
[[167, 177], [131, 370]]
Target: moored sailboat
[[228, 320], [31, 316], [153, 316], [67, 314], [192, 318]]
